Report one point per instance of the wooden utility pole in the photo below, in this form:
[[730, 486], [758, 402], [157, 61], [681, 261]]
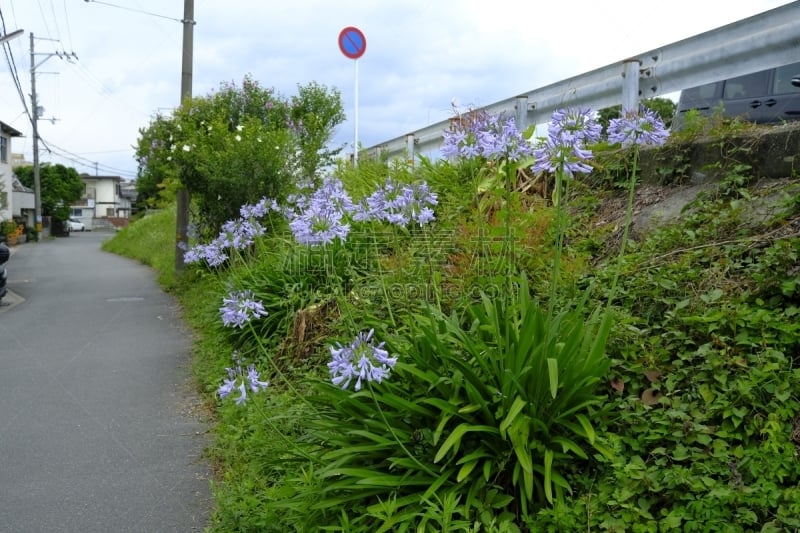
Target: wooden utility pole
[[182, 222]]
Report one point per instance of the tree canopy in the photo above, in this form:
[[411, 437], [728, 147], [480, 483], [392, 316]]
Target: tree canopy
[[236, 145], [60, 187]]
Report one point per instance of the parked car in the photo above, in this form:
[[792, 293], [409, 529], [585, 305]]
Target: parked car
[[769, 96], [73, 224]]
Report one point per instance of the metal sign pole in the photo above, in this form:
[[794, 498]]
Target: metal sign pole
[[355, 115], [352, 43]]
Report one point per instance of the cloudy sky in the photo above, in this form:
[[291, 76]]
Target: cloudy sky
[[421, 56]]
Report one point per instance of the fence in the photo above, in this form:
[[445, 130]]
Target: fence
[[767, 40]]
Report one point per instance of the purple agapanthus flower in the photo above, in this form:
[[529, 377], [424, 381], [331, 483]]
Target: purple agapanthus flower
[[644, 128], [237, 234], [239, 380], [554, 156], [564, 149], [212, 253], [258, 210], [239, 308], [574, 126], [481, 134], [399, 204], [319, 217], [362, 360], [240, 233], [319, 225]]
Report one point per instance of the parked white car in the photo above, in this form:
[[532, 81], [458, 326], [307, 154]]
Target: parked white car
[[73, 224]]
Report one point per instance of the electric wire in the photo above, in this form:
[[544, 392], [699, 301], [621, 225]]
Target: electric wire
[[142, 11], [69, 29], [53, 28], [84, 161], [12, 66]]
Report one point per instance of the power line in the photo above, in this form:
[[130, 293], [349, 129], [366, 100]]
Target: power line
[[138, 11], [83, 161], [12, 66], [66, 20]]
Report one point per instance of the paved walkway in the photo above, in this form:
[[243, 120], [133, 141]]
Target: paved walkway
[[100, 430]]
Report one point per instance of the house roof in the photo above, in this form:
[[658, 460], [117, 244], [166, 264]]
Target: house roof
[[90, 177], [17, 185], [11, 132]]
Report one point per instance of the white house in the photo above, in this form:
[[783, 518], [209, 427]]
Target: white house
[[103, 198], [7, 208]]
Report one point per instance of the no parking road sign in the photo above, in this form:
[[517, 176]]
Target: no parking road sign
[[352, 42]]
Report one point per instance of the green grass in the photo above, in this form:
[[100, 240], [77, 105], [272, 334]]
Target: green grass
[[150, 240]]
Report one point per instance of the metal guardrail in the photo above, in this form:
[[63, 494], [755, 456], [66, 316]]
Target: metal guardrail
[[770, 39]]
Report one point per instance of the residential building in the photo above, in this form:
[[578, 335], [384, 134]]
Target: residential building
[[103, 200], [7, 209]]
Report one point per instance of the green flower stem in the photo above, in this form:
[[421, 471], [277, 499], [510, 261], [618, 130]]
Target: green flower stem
[[383, 281], [292, 444], [558, 197], [277, 369], [508, 245], [431, 279], [626, 229], [394, 435]]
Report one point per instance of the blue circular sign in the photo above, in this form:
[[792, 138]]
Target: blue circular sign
[[352, 42]]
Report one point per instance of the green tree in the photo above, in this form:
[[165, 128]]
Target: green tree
[[60, 187], [157, 178], [663, 107], [316, 112], [237, 145]]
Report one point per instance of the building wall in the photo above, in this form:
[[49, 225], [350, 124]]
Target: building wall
[[103, 197], [6, 196]]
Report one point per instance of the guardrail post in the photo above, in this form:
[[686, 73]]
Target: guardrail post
[[521, 112], [630, 85], [410, 149]]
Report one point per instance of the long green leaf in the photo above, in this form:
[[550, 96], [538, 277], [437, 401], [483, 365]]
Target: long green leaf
[[442, 405], [548, 474], [466, 469], [454, 439], [587, 427], [515, 409], [401, 404], [519, 433], [552, 371], [571, 446]]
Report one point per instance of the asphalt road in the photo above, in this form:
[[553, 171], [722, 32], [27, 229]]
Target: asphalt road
[[100, 430]]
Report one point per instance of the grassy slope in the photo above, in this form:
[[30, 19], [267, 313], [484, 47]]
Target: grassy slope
[[703, 393]]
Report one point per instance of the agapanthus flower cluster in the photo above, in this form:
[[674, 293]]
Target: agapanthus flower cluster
[[399, 204], [644, 128], [481, 134], [237, 234], [212, 253], [320, 217], [241, 380], [564, 149], [361, 360], [239, 308]]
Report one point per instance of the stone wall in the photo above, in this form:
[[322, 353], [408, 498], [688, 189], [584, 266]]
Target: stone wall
[[771, 152]]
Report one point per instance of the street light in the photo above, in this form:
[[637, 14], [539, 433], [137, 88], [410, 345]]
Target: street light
[[12, 35]]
